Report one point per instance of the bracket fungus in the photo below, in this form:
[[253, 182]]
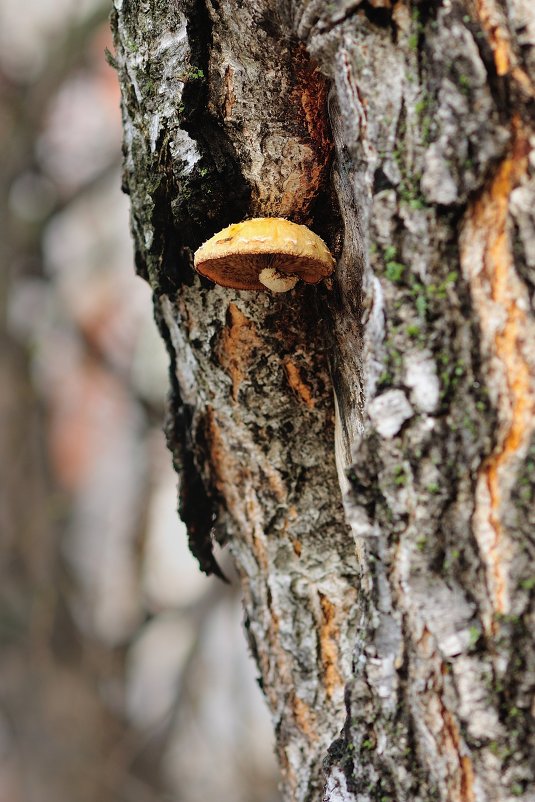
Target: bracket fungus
[[264, 253]]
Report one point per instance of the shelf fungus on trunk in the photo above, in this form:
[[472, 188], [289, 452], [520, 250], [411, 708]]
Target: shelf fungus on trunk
[[264, 253]]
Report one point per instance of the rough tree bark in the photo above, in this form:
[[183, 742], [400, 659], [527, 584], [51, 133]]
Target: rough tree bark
[[394, 639]]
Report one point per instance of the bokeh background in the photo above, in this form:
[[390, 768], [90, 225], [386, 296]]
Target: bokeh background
[[124, 673]]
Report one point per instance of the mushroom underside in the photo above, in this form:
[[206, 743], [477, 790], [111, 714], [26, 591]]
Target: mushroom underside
[[241, 271]]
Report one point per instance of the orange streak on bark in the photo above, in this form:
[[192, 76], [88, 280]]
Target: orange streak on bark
[[467, 779], [309, 97], [329, 635], [238, 340], [448, 739], [228, 474], [298, 385], [498, 36], [452, 739], [489, 217], [236, 485], [305, 718], [500, 42]]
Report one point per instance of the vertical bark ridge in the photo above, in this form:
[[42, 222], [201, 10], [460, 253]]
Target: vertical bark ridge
[[421, 157], [508, 332]]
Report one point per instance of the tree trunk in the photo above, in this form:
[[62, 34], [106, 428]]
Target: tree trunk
[[401, 133]]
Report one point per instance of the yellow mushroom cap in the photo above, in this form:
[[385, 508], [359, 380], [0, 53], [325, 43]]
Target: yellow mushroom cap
[[236, 255]]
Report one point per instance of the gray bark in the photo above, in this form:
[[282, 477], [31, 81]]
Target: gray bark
[[393, 638]]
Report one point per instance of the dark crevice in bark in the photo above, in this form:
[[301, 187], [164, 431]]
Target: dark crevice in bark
[[197, 507], [328, 220], [380, 181], [381, 17], [215, 193]]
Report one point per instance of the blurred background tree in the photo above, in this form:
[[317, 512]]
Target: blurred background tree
[[107, 629]]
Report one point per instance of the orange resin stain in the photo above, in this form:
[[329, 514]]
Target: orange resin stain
[[238, 341], [464, 776], [467, 779], [298, 385], [235, 483], [505, 60], [305, 718], [308, 99], [456, 764], [275, 662], [488, 217], [329, 636], [228, 474], [498, 35]]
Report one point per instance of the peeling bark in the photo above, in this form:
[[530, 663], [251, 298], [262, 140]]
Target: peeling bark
[[402, 134]]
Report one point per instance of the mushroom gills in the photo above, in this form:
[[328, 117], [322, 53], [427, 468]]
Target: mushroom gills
[[276, 281]]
